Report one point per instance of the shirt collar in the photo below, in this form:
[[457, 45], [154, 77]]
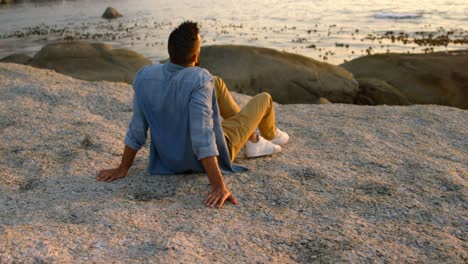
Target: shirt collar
[[172, 67]]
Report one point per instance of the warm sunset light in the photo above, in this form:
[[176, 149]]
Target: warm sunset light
[[331, 31], [233, 131]]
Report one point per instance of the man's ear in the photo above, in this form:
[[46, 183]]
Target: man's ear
[[195, 58]]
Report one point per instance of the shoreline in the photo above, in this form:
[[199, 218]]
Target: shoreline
[[390, 78], [333, 44], [32, 46]]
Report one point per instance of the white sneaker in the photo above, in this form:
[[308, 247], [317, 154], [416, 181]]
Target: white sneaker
[[262, 148], [281, 137]]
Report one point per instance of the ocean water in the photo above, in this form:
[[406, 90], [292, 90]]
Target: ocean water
[[331, 31]]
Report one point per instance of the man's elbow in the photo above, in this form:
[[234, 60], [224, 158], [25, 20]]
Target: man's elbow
[[205, 152], [133, 143]]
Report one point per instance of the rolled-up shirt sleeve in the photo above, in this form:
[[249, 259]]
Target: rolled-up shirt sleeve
[[201, 121], [137, 129]]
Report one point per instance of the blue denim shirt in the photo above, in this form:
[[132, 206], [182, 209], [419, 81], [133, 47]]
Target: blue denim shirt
[[179, 106]]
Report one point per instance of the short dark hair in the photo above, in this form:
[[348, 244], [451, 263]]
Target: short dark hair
[[182, 42]]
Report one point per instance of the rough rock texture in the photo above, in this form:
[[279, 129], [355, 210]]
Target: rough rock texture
[[437, 78], [359, 184], [289, 78], [17, 58], [90, 61], [378, 92], [111, 13]]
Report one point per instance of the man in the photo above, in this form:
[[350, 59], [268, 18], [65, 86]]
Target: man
[[181, 104]]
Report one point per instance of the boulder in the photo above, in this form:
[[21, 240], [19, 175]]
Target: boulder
[[17, 58], [354, 184], [289, 78], [437, 78], [90, 61], [378, 92], [111, 13]]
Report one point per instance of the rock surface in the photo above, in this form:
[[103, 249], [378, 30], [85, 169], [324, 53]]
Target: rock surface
[[18, 58], [90, 61], [289, 78], [359, 184], [111, 13], [378, 92], [438, 78]]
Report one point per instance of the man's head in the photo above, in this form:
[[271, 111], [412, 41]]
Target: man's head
[[184, 44]]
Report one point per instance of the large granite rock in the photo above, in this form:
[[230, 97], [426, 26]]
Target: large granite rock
[[90, 61], [111, 13], [356, 184], [17, 58], [438, 78], [289, 78]]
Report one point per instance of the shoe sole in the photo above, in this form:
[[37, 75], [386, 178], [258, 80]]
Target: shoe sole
[[261, 154], [279, 144]]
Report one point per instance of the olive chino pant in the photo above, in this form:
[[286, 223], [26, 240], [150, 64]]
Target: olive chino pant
[[239, 124]]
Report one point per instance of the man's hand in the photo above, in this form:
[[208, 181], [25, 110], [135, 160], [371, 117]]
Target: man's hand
[[122, 171], [219, 196], [111, 174]]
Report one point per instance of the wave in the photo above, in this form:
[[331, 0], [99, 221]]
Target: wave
[[392, 15]]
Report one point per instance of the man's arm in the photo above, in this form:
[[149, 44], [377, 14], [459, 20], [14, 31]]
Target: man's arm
[[134, 140], [219, 193], [204, 142], [121, 171]]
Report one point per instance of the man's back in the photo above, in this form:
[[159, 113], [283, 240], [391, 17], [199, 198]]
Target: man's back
[[177, 102], [179, 106]]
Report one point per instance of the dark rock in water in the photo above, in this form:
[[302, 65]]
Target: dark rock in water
[[289, 78], [17, 58], [90, 61], [437, 78], [378, 92], [111, 13]]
